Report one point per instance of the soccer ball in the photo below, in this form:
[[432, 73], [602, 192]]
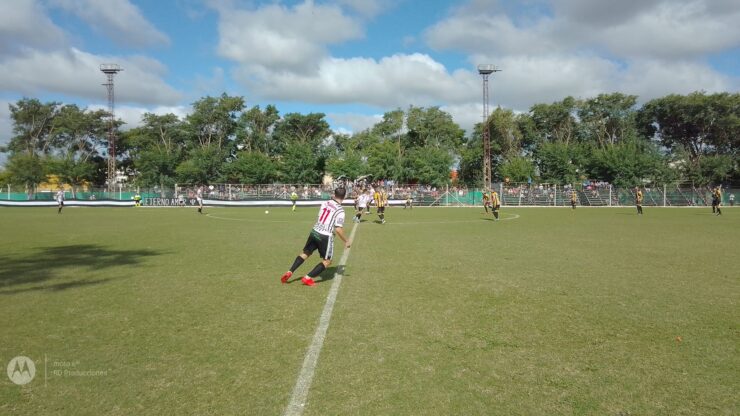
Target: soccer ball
[[267, 212]]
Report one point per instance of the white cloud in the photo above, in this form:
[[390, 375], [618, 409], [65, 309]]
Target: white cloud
[[349, 123], [398, 80], [279, 38], [676, 29], [23, 23], [118, 19], [77, 73]]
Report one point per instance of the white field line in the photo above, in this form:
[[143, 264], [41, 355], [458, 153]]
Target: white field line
[[303, 383]]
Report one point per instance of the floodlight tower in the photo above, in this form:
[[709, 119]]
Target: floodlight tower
[[485, 70], [110, 70]]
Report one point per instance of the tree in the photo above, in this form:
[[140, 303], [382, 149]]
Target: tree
[[555, 122], [255, 129], [203, 165], [300, 164], [518, 169], [157, 148], [33, 126], [213, 121], [383, 161], [695, 126], [428, 165], [561, 163], [26, 169], [348, 164], [431, 127], [628, 163], [251, 168], [608, 118], [310, 129]]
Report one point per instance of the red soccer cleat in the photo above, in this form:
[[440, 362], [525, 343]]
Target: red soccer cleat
[[285, 277], [308, 281]]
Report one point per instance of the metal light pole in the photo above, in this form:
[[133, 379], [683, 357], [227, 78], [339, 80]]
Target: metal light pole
[[485, 70], [110, 70]]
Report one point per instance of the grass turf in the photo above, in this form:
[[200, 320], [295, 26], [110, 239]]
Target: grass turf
[[441, 311]]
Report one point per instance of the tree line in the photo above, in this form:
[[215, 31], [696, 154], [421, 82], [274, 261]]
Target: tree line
[[690, 137]]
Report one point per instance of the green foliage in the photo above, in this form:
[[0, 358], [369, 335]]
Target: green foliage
[[428, 165], [560, 162], [71, 171], [630, 162], [157, 167], [24, 169], [349, 164], [431, 127], [251, 168], [517, 169], [203, 165], [384, 160], [213, 121], [255, 126], [300, 164]]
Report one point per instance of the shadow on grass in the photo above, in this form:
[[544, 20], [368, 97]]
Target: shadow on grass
[[327, 275], [43, 266]]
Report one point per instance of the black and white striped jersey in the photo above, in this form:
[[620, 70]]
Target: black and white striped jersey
[[331, 215]]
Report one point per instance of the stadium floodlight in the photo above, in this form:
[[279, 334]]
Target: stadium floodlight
[[110, 70], [485, 70]]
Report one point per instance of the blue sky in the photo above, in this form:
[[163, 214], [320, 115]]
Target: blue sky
[[355, 59]]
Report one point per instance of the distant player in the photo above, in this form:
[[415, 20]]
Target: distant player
[[573, 199], [732, 200], [486, 201], [638, 200], [330, 220], [717, 201], [60, 201], [495, 203], [371, 192], [381, 201], [199, 198], [293, 198], [137, 200], [361, 205], [409, 202]]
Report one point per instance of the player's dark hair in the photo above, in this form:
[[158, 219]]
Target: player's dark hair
[[340, 192]]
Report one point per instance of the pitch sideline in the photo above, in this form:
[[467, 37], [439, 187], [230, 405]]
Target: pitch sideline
[[305, 377]]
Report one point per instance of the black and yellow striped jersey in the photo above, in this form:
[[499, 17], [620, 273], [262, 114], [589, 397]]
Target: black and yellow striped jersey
[[638, 197], [494, 198], [381, 198]]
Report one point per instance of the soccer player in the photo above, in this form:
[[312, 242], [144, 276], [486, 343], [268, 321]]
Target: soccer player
[[495, 203], [409, 201], [486, 201], [199, 198], [717, 201], [361, 205], [137, 200], [60, 200], [330, 220], [381, 200], [293, 198], [573, 198], [732, 200], [638, 200]]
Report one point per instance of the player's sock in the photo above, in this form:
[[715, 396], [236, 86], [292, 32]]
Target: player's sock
[[719, 211], [486, 208], [296, 263], [316, 270], [59, 211], [495, 214]]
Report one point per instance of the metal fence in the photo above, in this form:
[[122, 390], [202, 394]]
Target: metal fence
[[592, 193]]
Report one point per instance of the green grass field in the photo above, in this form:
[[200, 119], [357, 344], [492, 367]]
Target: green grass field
[[440, 312]]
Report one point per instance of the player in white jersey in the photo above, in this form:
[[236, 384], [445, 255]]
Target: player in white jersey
[[199, 198], [330, 220], [362, 201], [60, 201]]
